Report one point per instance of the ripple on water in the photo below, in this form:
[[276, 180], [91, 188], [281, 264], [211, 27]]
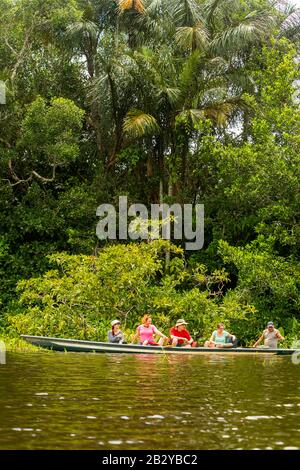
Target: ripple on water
[[134, 442], [156, 417], [23, 429], [256, 418]]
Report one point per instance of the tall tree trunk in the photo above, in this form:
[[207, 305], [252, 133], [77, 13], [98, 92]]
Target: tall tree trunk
[[117, 123], [168, 254], [161, 169]]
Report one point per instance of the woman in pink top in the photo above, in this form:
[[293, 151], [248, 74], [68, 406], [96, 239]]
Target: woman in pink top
[[146, 331]]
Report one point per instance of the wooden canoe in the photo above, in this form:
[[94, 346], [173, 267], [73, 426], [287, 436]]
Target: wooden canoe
[[61, 344]]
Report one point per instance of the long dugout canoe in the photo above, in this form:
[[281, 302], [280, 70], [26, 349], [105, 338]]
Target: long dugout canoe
[[72, 345]]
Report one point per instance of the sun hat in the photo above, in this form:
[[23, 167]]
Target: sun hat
[[181, 322], [115, 322], [270, 323]]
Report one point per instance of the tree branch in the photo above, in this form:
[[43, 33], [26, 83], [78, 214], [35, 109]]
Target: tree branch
[[7, 144], [21, 55], [42, 178], [33, 174]]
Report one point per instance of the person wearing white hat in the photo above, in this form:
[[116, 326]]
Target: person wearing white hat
[[180, 336], [115, 335]]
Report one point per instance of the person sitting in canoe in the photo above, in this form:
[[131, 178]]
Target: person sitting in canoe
[[220, 338], [270, 336], [180, 336], [115, 335], [146, 331]]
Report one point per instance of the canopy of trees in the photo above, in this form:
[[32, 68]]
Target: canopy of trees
[[178, 101]]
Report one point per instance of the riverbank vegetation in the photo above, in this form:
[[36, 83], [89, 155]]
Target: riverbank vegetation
[[163, 101]]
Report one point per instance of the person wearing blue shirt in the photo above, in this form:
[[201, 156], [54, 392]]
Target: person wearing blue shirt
[[220, 338]]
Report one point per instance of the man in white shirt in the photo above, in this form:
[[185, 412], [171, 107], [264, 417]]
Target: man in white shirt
[[270, 336]]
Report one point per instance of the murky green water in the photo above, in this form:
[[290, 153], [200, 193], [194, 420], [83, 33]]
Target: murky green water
[[86, 401]]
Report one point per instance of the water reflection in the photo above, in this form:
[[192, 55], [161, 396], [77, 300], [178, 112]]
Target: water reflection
[[149, 402]]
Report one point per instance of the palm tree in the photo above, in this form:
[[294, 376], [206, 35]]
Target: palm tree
[[209, 53]]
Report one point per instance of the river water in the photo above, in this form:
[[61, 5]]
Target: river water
[[89, 401]]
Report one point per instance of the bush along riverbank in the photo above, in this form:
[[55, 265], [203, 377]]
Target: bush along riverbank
[[81, 294]]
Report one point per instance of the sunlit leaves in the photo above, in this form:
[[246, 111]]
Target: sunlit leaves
[[138, 124], [137, 5]]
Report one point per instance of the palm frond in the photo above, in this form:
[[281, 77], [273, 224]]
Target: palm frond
[[210, 7], [290, 27], [185, 12], [147, 63], [220, 112], [98, 88], [212, 95], [192, 37], [250, 30], [137, 5], [214, 8], [240, 81], [160, 72], [155, 6], [173, 95], [284, 6], [84, 29], [216, 67], [190, 71], [137, 124], [194, 116]]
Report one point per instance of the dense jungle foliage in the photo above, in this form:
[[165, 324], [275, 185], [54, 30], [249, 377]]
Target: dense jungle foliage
[[176, 101]]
